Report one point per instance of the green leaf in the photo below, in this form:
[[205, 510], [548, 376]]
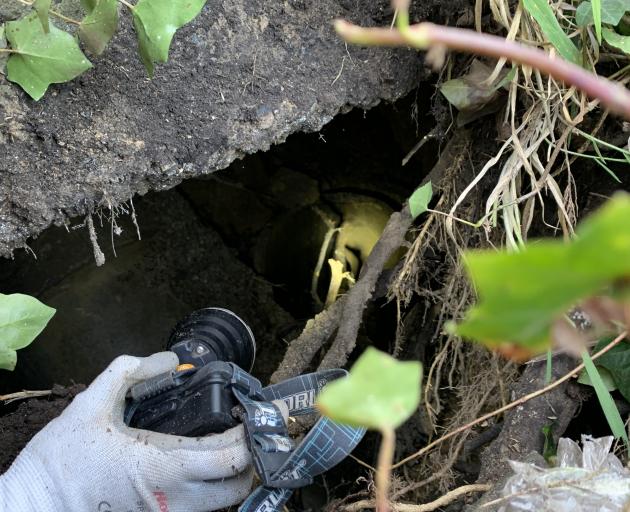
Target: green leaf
[[605, 400], [89, 5], [99, 26], [470, 90], [616, 40], [41, 8], [22, 318], [504, 82], [542, 13], [611, 10], [584, 14], [460, 94], [617, 362], [549, 367], [522, 294], [42, 58], [605, 375], [472, 95], [419, 200], [596, 8], [156, 21], [380, 392], [550, 449]]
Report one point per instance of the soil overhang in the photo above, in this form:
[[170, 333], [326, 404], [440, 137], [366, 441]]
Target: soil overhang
[[242, 77]]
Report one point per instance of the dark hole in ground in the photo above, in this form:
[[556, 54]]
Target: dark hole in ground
[[247, 238]]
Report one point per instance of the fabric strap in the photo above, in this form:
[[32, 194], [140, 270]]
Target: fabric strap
[[281, 465]]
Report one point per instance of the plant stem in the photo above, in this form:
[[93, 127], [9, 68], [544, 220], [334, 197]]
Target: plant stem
[[511, 405], [383, 469], [127, 4], [64, 18], [463, 221], [54, 13], [425, 35]]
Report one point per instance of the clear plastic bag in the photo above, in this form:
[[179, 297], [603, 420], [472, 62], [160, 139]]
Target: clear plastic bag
[[585, 480]]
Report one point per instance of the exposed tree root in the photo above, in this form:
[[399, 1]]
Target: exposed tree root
[[359, 295], [523, 426], [302, 350], [345, 315]]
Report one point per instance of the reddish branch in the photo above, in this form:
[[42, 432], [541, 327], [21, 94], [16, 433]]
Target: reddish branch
[[427, 35]]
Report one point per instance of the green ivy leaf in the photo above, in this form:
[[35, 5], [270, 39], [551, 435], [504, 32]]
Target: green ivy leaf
[[41, 8], [89, 5], [617, 40], [156, 21], [584, 14], [617, 362], [99, 26], [419, 200], [522, 294], [542, 13], [42, 58], [605, 375], [380, 392], [22, 318], [612, 12]]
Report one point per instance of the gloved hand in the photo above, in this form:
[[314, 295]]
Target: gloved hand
[[88, 460]]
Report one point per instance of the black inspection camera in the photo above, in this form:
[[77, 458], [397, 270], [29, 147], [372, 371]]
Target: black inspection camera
[[195, 399], [212, 391]]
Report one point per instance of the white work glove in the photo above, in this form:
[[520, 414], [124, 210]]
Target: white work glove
[[88, 460]]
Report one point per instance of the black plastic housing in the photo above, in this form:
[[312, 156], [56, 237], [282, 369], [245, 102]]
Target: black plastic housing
[[195, 402]]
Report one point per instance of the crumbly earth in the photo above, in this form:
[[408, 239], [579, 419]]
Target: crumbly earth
[[243, 76], [29, 417]]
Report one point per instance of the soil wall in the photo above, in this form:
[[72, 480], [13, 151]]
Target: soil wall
[[243, 76]]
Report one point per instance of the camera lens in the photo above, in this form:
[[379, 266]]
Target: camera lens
[[213, 334]]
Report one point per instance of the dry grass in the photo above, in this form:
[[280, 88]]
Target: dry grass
[[546, 127], [463, 380], [541, 116]]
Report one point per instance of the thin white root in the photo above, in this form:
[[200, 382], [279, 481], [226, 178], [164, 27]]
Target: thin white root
[[23, 395], [442, 501], [99, 257]]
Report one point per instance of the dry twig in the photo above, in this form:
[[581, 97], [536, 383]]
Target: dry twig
[[23, 395], [442, 501]]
